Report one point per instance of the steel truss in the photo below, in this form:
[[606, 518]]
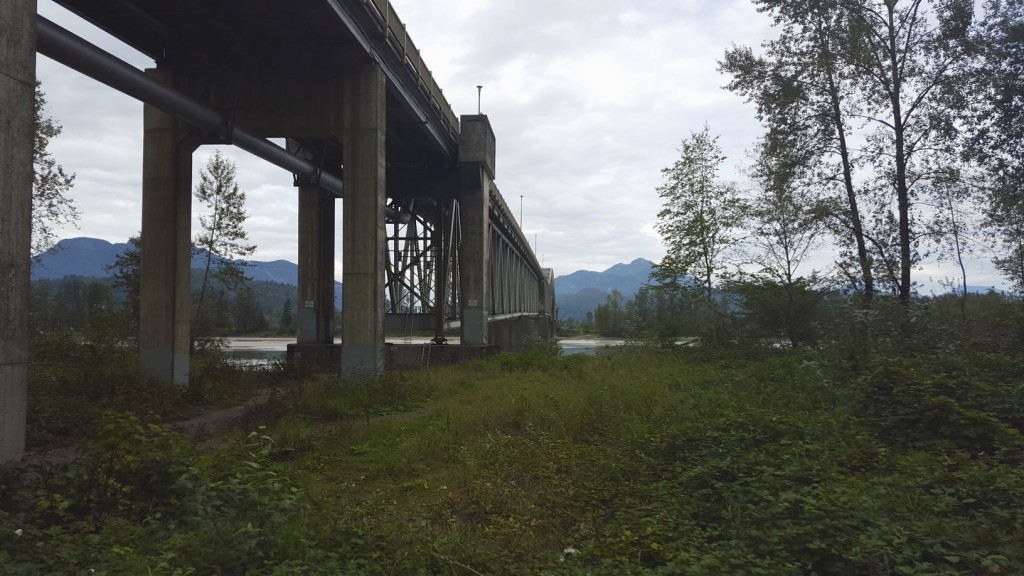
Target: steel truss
[[422, 261], [517, 282]]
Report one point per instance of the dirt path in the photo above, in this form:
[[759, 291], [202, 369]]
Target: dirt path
[[214, 422]]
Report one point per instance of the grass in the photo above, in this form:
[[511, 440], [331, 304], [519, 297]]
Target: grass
[[640, 461]]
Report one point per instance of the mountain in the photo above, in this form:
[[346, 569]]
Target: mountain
[[578, 293], [84, 257], [582, 291], [626, 278], [89, 258]]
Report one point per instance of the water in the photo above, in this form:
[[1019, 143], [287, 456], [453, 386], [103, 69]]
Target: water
[[587, 346], [264, 351], [256, 351]]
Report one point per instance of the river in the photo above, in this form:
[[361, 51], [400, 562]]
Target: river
[[266, 350]]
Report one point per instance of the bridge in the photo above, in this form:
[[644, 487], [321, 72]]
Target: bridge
[[428, 241]]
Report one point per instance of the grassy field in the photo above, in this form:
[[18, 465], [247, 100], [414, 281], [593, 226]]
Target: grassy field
[[636, 461]]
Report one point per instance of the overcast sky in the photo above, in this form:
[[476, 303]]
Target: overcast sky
[[589, 100]]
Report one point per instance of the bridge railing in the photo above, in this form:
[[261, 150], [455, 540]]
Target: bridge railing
[[398, 38]]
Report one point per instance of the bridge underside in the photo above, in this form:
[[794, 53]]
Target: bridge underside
[[427, 238]]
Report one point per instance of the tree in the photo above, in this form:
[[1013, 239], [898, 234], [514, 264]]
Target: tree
[[51, 205], [127, 270], [996, 129], [699, 221], [777, 294], [803, 97], [246, 312], [891, 65], [906, 60], [286, 321], [223, 238]]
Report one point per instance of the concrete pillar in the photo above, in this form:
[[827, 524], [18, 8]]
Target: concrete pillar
[[165, 298], [316, 266], [440, 271], [17, 90], [476, 169], [364, 237]]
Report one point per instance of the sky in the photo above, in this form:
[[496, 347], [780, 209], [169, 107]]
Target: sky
[[589, 101]]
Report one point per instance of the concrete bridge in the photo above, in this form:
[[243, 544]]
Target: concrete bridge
[[428, 241]]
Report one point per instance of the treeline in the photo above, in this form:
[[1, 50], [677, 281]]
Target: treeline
[[76, 303], [796, 317]]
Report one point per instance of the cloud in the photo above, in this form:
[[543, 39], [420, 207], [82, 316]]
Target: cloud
[[589, 100]]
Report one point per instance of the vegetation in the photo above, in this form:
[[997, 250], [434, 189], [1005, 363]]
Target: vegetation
[[894, 447], [221, 241], [51, 205], [807, 430], [69, 303]]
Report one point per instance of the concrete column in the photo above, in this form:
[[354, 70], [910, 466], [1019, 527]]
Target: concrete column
[[17, 90], [476, 170], [316, 266], [165, 298], [440, 271], [364, 237]]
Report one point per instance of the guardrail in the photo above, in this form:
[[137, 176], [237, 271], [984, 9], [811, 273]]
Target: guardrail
[[397, 37]]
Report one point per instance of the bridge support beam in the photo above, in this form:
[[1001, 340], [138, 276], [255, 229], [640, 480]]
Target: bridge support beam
[[316, 266], [364, 237], [165, 289], [476, 171], [315, 317], [17, 89]]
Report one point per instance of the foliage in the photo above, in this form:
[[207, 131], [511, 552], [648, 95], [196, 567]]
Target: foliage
[[51, 204], [774, 309], [995, 125], [700, 214], [222, 238], [127, 273], [892, 448], [286, 321], [803, 96], [698, 224], [143, 500], [895, 66]]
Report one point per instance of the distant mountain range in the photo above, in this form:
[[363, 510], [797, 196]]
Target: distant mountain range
[[583, 291], [578, 293], [89, 258]]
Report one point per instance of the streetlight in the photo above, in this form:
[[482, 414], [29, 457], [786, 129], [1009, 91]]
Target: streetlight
[[520, 210]]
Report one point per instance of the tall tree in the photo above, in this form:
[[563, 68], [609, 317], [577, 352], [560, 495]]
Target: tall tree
[[803, 96], [906, 56], [699, 221], [996, 125], [51, 205], [286, 321], [890, 65], [700, 214], [223, 239]]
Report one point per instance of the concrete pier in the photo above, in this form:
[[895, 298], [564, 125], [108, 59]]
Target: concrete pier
[[165, 297], [17, 93], [315, 335], [476, 171], [316, 266], [364, 236]]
